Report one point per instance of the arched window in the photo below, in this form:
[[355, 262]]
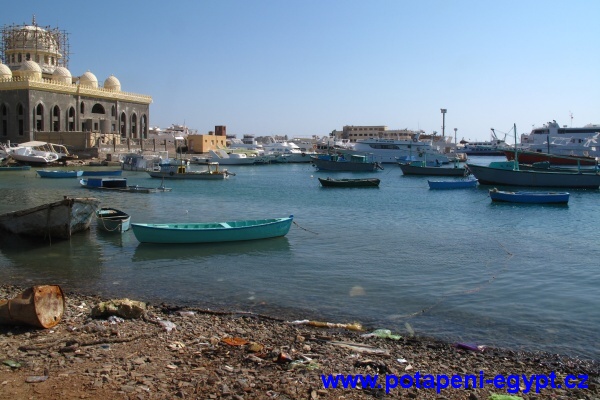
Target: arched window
[[3, 120], [71, 120], [39, 118], [123, 125], [134, 126], [98, 109], [20, 119], [144, 127], [56, 119], [113, 111]]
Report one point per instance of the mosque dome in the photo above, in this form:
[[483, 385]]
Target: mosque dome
[[112, 83], [5, 72], [30, 69], [62, 75], [88, 79]]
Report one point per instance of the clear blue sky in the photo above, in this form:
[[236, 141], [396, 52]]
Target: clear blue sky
[[302, 68]]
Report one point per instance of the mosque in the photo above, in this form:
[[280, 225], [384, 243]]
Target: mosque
[[41, 100]]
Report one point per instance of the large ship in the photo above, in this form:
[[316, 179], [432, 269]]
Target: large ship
[[393, 151], [563, 141]]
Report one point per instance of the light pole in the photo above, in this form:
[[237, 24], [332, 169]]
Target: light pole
[[443, 110]]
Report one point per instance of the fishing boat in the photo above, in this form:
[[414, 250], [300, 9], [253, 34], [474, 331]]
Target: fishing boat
[[533, 157], [529, 197], [347, 182], [420, 168], [212, 232], [119, 185], [56, 220], [443, 185], [15, 168], [181, 172], [106, 172], [353, 163], [113, 220], [58, 174]]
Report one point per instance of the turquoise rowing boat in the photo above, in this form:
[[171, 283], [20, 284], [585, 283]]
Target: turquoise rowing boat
[[212, 232]]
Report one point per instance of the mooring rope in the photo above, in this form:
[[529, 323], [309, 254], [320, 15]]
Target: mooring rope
[[304, 229]]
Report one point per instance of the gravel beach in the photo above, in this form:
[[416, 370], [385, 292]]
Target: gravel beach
[[169, 352]]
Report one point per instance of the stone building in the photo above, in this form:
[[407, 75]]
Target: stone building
[[41, 100]]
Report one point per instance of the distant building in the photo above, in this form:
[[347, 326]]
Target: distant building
[[41, 100], [354, 133]]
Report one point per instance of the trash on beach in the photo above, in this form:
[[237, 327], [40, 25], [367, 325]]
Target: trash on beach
[[383, 334], [113, 319], [469, 346], [124, 308], [11, 363], [355, 326], [36, 379], [361, 348], [234, 341], [167, 325], [40, 306]]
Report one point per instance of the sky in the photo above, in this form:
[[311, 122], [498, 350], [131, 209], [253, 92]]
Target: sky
[[304, 68]]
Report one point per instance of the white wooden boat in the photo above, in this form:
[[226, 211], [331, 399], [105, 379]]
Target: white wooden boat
[[56, 220], [212, 232], [213, 172], [113, 220]]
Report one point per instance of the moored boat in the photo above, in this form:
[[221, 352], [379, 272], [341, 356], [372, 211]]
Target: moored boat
[[532, 157], [58, 174], [212, 232], [113, 220], [213, 172], [529, 197], [15, 167], [120, 185], [56, 220], [443, 185], [347, 182], [105, 172], [353, 163], [419, 168]]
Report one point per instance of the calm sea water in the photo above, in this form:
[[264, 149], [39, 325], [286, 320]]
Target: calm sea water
[[448, 264]]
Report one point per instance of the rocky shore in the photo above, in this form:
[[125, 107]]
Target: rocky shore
[[167, 352]]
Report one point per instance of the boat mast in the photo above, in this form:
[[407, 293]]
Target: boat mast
[[516, 167]]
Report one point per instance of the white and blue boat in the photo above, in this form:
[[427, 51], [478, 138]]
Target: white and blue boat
[[43, 173], [113, 220], [212, 232], [529, 197], [108, 172]]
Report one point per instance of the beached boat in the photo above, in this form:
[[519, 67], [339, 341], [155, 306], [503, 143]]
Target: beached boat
[[419, 168], [106, 172], [508, 173], [347, 182], [113, 220], [181, 172], [212, 232], [58, 174], [353, 163], [119, 185], [443, 185], [56, 220], [529, 197]]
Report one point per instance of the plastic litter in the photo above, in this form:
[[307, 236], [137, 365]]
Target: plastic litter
[[504, 397], [470, 347], [355, 326], [11, 363], [167, 325], [382, 333]]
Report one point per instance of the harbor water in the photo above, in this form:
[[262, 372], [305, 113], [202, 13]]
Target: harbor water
[[444, 263]]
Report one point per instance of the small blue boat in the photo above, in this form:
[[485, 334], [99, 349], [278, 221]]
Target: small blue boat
[[15, 168], [58, 174], [112, 172], [529, 197], [212, 232], [113, 220], [469, 183]]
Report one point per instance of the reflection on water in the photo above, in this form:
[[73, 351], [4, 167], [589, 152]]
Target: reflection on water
[[197, 252]]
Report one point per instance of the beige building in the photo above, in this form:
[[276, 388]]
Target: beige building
[[354, 133], [204, 143]]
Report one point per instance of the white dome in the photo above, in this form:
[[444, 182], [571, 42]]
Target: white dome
[[30, 69], [5, 72], [88, 79], [112, 83], [62, 75]]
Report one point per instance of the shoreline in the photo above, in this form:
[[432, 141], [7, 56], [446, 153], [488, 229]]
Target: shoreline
[[184, 352]]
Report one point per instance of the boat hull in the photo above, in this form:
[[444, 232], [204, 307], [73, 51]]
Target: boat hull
[[190, 175], [213, 232], [496, 176], [112, 172], [58, 174], [445, 185], [530, 157], [119, 185], [323, 164], [57, 220], [113, 220], [367, 182], [529, 197], [408, 169]]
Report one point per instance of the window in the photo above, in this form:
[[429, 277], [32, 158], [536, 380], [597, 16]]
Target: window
[[82, 108]]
